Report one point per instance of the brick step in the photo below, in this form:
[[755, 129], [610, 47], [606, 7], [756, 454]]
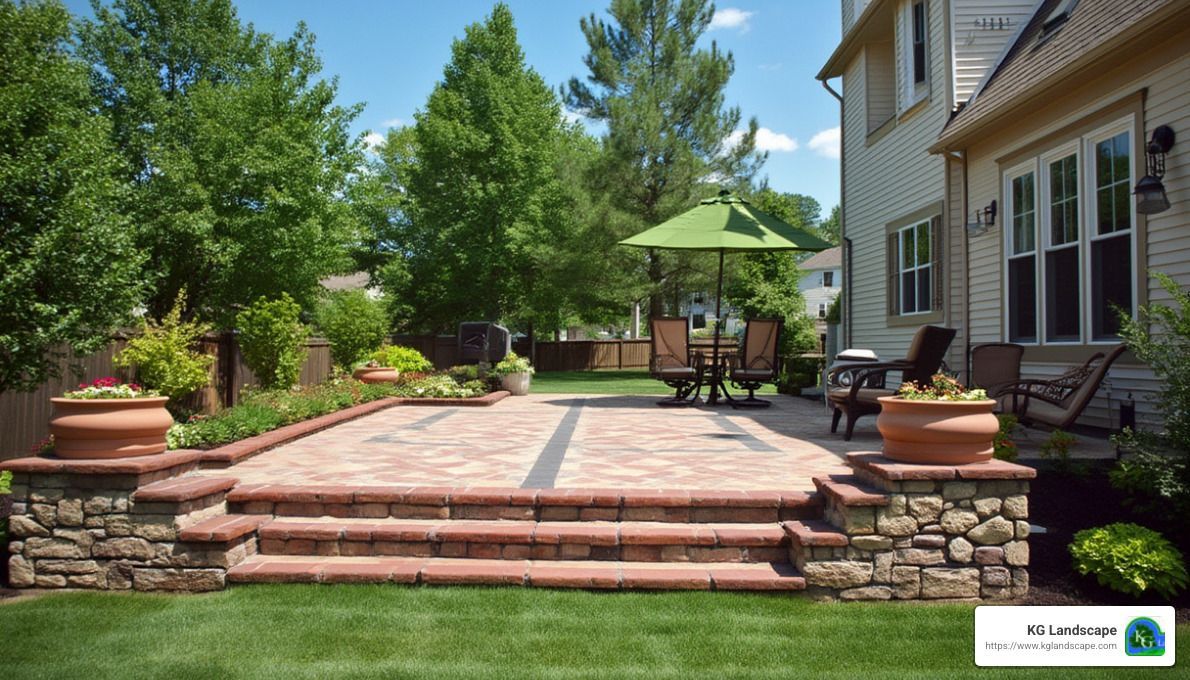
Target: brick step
[[223, 529], [519, 540], [557, 505], [850, 491], [538, 573]]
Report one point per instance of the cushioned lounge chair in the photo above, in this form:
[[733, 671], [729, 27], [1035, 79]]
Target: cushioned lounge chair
[[923, 360], [1057, 403], [672, 362], [757, 362]]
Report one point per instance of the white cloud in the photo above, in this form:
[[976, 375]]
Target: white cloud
[[393, 122], [776, 66], [826, 142], [767, 140], [731, 17], [373, 141]]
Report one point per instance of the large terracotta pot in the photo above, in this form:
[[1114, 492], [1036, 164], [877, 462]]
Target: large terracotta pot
[[938, 432], [517, 384], [376, 374], [109, 428]]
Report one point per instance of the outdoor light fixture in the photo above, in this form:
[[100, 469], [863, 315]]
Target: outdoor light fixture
[[1150, 192], [983, 219]]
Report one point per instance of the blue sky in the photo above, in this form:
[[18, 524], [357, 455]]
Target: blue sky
[[389, 54]]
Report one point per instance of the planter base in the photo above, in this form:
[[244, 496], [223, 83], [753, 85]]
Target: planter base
[[109, 428], [938, 454]]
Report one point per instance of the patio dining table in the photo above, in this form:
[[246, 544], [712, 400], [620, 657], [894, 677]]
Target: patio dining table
[[714, 376]]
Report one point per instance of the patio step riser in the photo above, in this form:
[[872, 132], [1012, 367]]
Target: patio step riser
[[697, 515], [512, 551], [527, 573]]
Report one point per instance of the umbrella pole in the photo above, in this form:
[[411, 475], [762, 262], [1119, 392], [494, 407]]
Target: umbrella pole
[[718, 377]]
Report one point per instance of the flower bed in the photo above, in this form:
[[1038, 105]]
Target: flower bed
[[266, 410]]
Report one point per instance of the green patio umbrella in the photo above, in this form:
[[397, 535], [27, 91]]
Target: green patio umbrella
[[725, 223]]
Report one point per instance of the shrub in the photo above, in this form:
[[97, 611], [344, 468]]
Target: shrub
[[5, 505], [464, 373], [273, 340], [1056, 449], [941, 388], [1129, 558], [1003, 447], [354, 324], [799, 374], [404, 359], [164, 357], [441, 386], [834, 312], [512, 363], [109, 388], [1156, 473]]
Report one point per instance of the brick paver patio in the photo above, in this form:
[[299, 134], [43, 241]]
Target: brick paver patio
[[544, 441]]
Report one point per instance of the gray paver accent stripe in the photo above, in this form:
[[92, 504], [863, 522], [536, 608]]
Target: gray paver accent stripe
[[430, 420], [747, 439], [549, 462]]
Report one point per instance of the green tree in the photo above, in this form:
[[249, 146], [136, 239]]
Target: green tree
[[238, 156], [354, 324], [669, 135], [764, 285], [273, 339], [164, 355], [485, 208], [829, 229], [68, 268]]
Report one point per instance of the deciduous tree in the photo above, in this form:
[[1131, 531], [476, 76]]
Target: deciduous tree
[[68, 266]]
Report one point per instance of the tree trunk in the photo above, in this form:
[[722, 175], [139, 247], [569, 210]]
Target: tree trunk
[[656, 276]]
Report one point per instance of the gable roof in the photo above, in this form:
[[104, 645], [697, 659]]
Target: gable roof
[[1093, 33], [831, 258]]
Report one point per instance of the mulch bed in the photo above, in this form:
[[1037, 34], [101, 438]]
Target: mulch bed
[[1067, 502]]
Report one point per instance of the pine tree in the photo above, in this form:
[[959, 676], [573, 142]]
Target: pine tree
[[669, 135]]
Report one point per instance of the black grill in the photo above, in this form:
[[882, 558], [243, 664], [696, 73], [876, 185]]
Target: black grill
[[483, 341]]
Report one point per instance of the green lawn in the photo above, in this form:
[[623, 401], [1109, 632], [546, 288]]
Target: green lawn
[[607, 382], [300, 631]]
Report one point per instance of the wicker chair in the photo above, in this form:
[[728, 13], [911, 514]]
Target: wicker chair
[[672, 362], [757, 362], [923, 360], [1059, 402]]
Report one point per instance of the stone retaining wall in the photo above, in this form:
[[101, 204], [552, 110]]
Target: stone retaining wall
[[81, 525], [921, 532]]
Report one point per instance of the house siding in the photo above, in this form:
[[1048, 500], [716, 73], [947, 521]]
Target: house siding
[[886, 177], [1163, 72], [980, 31]]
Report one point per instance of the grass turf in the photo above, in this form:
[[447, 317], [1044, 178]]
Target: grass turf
[[609, 382], [306, 631]]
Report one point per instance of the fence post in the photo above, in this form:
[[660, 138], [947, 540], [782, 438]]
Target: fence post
[[620, 354]]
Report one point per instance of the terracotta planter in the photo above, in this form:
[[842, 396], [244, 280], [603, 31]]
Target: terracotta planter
[[938, 432], [379, 374], [517, 384], [109, 428]]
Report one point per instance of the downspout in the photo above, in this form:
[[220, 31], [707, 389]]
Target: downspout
[[845, 316], [966, 299]]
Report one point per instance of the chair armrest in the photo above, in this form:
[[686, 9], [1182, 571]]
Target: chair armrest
[[1028, 394]]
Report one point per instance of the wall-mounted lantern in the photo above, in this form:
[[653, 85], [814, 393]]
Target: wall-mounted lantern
[[983, 219], [1150, 192]]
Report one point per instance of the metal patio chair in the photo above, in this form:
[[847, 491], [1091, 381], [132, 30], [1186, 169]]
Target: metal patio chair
[[672, 362], [1058, 402], [757, 362]]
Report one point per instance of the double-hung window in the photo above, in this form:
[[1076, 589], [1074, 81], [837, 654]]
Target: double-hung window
[[1069, 241], [828, 279], [915, 268]]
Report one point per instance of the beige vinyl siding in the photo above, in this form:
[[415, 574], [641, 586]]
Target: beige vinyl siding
[[1164, 74], [886, 179], [977, 46], [881, 83]]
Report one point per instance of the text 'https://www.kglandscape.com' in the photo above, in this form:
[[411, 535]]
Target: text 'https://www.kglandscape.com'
[[1074, 636]]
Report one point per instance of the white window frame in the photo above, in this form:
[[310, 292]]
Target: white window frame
[[913, 92], [821, 310], [1027, 168], [1083, 147], [916, 269], [1091, 210]]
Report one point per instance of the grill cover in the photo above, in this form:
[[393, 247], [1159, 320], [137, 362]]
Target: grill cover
[[483, 341]]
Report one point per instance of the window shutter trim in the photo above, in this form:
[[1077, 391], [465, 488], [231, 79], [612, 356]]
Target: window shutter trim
[[894, 276], [937, 279]]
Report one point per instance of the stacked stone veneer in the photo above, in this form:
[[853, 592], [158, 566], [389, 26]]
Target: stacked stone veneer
[[119, 525], [898, 531]]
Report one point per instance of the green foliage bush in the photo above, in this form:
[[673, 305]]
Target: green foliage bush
[[354, 324], [1002, 446], [441, 386], [5, 505], [404, 359], [273, 340], [1056, 449], [464, 373], [799, 374], [164, 357], [265, 410], [1129, 558], [1156, 471]]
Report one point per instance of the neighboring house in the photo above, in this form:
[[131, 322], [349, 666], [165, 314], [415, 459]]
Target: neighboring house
[[356, 281], [1042, 109], [820, 284], [700, 309]]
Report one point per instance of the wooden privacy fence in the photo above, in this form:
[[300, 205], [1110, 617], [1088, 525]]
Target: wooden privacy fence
[[24, 416], [569, 355]]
